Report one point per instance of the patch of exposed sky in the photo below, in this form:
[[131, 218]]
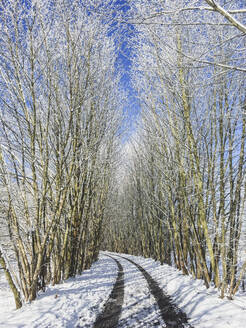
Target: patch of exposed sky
[[124, 35]]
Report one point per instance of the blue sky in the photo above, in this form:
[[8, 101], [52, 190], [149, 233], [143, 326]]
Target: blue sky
[[124, 64]]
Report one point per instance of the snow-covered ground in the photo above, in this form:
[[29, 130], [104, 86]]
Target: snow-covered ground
[[203, 306], [139, 308], [78, 301]]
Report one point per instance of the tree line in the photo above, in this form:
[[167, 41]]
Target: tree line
[[58, 138], [182, 198]]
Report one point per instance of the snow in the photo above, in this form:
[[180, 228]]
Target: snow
[[139, 308], [203, 306], [78, 301], [75, 302]]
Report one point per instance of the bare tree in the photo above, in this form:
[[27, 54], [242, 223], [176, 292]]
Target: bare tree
[[58, 130], [189, 74]]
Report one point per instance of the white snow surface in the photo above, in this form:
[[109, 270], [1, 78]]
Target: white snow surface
[[78, 301], [139, 308]]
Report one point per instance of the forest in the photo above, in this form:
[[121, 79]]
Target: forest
[[77, 176]]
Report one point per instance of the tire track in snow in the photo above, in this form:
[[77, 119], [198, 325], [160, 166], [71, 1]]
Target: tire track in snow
[[112, 309], [171, 314]]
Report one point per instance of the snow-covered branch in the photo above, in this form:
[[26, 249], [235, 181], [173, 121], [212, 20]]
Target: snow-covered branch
[[215, 6]]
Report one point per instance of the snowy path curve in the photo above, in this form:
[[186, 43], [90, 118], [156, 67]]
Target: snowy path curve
[[112, 309], [172, 316]]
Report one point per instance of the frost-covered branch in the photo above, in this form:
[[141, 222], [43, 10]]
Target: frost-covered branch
[[215, 6]]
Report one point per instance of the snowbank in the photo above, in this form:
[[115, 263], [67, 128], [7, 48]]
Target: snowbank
[[203, 306], [75, 302]]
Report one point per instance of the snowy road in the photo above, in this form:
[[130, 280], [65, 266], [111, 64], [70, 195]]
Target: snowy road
[[139, 308], [113, 307], [145, 304], [79, 302]]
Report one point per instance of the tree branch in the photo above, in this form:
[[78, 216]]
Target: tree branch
[[227, 15]]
